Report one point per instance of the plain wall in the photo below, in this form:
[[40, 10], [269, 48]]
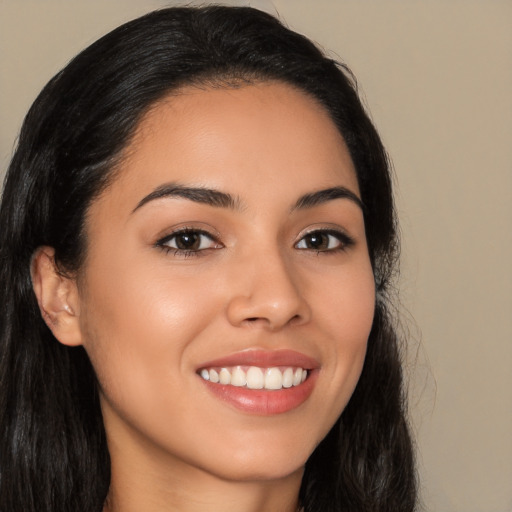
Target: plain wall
[[437, 78]]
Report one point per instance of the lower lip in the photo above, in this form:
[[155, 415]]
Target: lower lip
[[261, 401]]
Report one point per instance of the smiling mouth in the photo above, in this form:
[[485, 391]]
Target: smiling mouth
[[261, 382], [254, 377]]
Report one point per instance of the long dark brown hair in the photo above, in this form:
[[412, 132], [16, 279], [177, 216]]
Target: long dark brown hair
[[53, 452]]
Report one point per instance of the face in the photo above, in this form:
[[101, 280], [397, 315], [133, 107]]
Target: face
[[227, 294]]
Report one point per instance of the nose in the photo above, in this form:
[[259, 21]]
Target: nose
[[266, 292]]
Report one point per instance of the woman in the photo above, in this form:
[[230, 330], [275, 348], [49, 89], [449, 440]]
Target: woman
[[198, 238]]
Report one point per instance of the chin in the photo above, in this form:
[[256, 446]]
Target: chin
[[256, 472], [265, 462]]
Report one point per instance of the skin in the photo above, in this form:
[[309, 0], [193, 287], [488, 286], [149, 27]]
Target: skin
[[149, 317]]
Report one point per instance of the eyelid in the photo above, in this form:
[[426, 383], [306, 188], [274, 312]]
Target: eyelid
[[205, 234], [327, 227], [184, 227], [171, 233], [341, 234]]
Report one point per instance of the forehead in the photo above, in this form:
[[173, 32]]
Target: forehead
[[265, 138]]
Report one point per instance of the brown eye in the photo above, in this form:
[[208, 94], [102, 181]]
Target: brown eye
[[324, 241], [189, 241], [317, 241]]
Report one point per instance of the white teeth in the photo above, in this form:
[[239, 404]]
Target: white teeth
[[273, 379], [297, 377], [224, 376], [238, 377], [288, 378], [255, 377]]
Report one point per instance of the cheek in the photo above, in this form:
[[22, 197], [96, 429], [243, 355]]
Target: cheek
[[138, 328], [345, 305], [347, 316], [356, 305]]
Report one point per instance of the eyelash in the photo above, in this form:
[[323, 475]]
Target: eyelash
[[344, 240], [186, 253]]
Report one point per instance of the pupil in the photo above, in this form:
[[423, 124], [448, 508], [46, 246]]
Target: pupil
[[187, 241], [316, 241]]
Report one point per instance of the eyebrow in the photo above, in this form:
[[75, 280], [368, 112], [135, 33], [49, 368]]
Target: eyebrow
[[218, 199], [208, 196], [323, 196]]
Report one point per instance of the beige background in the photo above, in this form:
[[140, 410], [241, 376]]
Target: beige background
[[437, 77]]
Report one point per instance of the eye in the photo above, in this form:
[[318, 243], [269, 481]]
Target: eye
[[324, 241], [188, 241]]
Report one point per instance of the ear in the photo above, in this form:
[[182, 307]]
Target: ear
[[57, 296]]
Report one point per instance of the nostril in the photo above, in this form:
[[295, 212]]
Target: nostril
[[266, 310], [255, 320]]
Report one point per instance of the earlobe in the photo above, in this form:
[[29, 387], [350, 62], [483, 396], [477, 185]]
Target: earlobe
[[57, 296]]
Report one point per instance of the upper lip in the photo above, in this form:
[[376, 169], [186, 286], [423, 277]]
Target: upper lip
[[265, 359]]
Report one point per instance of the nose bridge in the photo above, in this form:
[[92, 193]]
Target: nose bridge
[[267, 290]]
